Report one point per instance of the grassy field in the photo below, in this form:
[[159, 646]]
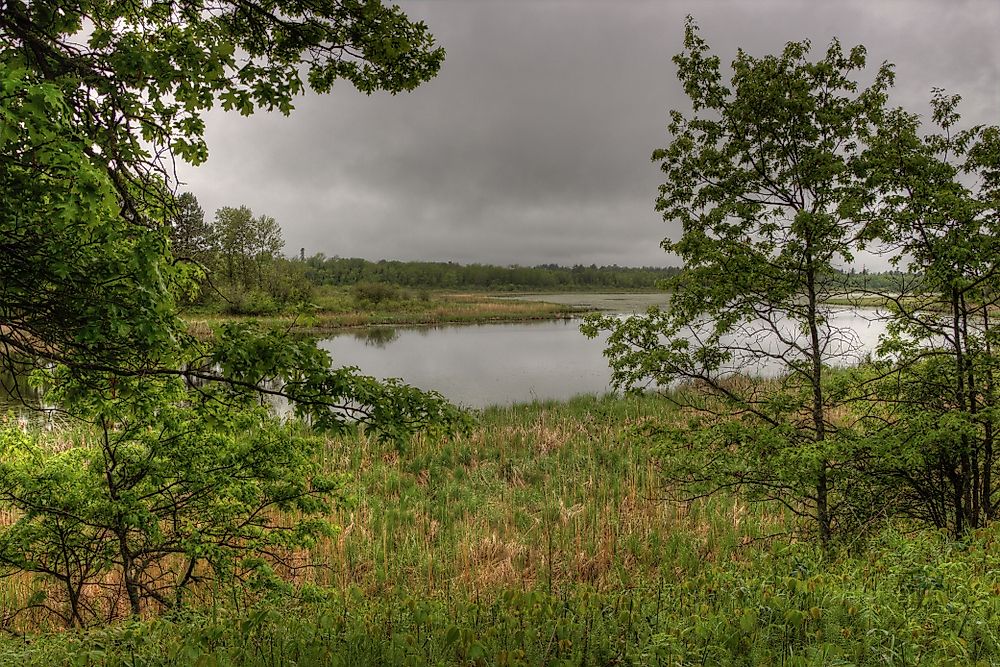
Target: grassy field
[[543, 538], [337, 308]]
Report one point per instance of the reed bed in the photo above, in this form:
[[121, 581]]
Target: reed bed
[[545, 537], [336, 312], [548, 496]]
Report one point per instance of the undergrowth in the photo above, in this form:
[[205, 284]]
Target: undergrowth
[[544, 537]]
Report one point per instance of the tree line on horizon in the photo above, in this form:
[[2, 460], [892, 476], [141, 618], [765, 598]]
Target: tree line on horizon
[[241, 255], [451, 275]]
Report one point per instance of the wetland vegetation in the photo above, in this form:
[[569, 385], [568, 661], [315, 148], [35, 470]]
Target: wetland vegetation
[[333, 309], [806, 512], [546, 535]]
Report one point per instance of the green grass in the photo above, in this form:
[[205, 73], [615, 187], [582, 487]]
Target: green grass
[[336, 308], [542, 537]]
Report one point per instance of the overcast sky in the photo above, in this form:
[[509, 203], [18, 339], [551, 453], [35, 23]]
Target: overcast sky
[[533, 143]]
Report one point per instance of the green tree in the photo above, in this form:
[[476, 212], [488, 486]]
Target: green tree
[[232, 232], [247, 252], [172, 488], [936, 214], [190, 235], [175, 478], [98, 99], [190, 244], [266, 244], [96, 102], [762, 177]]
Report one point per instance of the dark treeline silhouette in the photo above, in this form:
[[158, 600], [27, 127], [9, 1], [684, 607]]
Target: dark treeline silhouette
[[321, 270], [448, 275]]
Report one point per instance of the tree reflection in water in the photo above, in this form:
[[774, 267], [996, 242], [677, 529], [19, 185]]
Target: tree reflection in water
[[16, 391], [378, 337]]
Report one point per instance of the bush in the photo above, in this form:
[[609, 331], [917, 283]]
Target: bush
[[374, 293], [172, 486], [254, 302]]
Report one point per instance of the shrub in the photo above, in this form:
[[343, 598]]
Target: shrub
[[374, 293]]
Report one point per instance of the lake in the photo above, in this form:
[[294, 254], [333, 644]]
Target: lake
[[500, 364], [480, 365]]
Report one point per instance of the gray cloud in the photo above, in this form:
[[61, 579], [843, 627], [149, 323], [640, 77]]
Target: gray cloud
[[533, 143]]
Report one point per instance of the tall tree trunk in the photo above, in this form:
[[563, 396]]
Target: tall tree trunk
[[961, 479], [818, 414], [988, 506]]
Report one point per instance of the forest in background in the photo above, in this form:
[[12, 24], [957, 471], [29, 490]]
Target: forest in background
[[244, 270]]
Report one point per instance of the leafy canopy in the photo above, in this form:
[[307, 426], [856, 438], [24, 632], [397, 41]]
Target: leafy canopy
[[937, 213], [169, 490], [98, 98]]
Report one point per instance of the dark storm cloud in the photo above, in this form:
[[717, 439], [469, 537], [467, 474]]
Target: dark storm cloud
[[533, 143]]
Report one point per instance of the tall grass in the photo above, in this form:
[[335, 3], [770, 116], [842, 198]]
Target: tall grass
[[537, 496], [544, 537]]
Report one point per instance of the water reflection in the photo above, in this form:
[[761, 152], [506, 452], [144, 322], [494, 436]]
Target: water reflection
[[377, 337], [23, 400], [479, 365], [500, 364], [16, 391]]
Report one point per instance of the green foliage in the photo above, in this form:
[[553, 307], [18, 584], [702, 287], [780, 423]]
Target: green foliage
[[935, 212], [170, 488], [96, 101], [177, 473], [187, 477], [776, 182], [911, 601], [244, 244], [441, 275], [77, 282], [241, 270], [542, 538], [763, 178], [249, 302], [373, 294], [190, 235], [252, 360]]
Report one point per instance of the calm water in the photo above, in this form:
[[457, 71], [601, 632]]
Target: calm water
[[500, 364], [480, 365]]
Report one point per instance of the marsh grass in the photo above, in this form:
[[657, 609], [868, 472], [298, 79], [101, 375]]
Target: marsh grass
[[546, 495], [335, 309], [545, 537]]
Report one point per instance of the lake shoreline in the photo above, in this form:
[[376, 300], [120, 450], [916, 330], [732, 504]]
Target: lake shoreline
[[446, 309]]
